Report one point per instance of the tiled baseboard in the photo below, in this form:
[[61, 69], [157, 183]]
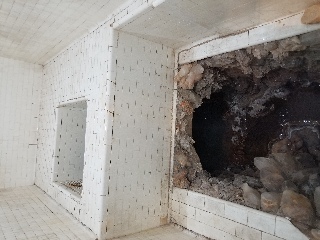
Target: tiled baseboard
[[222, 220]]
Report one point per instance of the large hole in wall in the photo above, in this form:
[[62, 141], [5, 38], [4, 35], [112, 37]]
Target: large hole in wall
[[209, 131], [70, 145], [247, 128], [212, 129]]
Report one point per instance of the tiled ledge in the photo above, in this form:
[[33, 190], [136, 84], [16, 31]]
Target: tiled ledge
[[275, 30], [222, 220]]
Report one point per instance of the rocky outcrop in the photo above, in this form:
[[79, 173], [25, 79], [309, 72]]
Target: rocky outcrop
[[311, 15], [251, 196], [297, 206], [270, 202]]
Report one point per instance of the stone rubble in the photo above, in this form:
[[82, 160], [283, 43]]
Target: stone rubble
[[311, 15], [270, 202], [188, 75], [252, 197], [317, 200], [297, 207]]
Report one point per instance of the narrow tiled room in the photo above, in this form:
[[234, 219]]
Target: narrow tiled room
[[160, 119]]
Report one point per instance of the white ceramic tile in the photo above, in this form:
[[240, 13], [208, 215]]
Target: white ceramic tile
[[70, 142], [168, 232], [203, 229], [28, 213], [248, 233], [181, 22], [236, 213], [20, 86], [269, 31], [286, 230], [215, 206], [188, 211], [34, 31], [239, 222], [218, 222], [262, 221], [79, 73], [138, 164], [196, 200], [266, 236]]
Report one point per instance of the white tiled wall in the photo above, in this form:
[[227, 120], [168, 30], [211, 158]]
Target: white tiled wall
[[127, 83], [20, 84], [222, 220], [138, 151], [77, 74], [70, 142]]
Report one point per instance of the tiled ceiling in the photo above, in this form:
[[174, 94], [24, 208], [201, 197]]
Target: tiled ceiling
[[36, 30], [180, 22]]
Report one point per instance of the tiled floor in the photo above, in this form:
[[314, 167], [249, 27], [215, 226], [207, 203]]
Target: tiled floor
[[168, 232], [27, 213]]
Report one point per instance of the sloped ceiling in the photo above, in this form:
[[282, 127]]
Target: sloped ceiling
[[36, 30]]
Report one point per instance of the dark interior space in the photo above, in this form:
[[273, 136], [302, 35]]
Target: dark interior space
[[301, 105], [209, 130], [212, 129]]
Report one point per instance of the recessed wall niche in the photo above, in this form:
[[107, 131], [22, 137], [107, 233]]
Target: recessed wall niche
[[70, 145]]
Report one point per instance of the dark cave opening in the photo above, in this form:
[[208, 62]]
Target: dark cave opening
[[212, 126], [208, 131]]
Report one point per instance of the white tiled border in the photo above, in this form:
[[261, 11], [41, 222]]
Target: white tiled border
[[222, 220], [275, 30]]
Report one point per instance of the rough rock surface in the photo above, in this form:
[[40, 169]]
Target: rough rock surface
[[288, 185], [180, 179], [311, 15], [188, 75], [251, 196], [297, 207], [314, 180], [263, 162], [315, 234], [317, 200], [272, 179], [239, 180], [305, 160], [302, 176], [286, 162], [282, 146], [270, 202]]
